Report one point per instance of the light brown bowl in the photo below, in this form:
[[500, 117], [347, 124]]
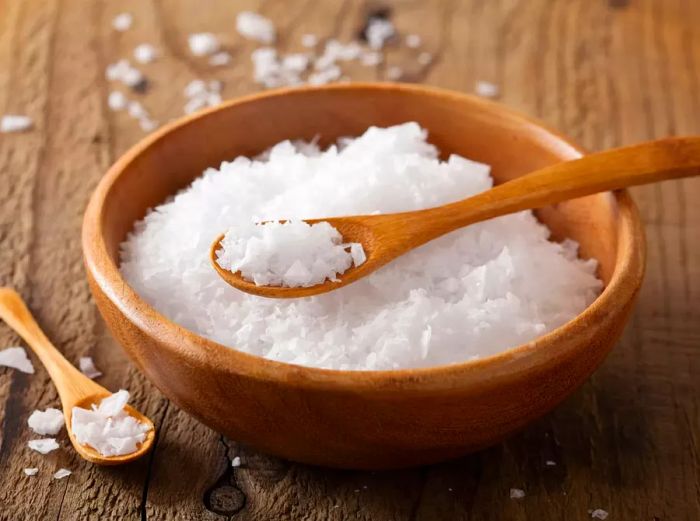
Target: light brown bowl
[[377, 419]]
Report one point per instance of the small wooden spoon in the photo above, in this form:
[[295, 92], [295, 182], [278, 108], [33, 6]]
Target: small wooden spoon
[[74, 388], [385, 237]]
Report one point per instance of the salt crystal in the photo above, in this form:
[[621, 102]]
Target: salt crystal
[[43, 445], [291, 254], [136, 110], [358, 254], [117, 101], [379, 31], [132, 77], [31, 471], [425, 58], [219, 59], [122, 22], [486, 89], [87, 367], [203, 44], [61, 473], [49, 421], [236, 461], [480, 289], [15, 123], [309, 40], [16, 357], [255, 27], [550, 463], [413, 41], [108, 428], [516, 493], [145, 53], [123, 72], [195, 88], [599, 513], [394, 72]]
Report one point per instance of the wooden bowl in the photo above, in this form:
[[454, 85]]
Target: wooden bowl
[[372, 419]]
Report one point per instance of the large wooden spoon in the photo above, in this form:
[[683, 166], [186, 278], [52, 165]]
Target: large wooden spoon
[[385, 237], [74, 388]]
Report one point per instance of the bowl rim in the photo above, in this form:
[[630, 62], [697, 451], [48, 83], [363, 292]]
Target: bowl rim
[[483, 372]]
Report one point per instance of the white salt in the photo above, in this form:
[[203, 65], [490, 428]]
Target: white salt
[[516, 493], [31, 471], [550, 463], [108, 428], [49, 421], [309, 40], [43, 445], [236, 462], [62, 473], [201, 94], [122, 22], [291, 254], [87, 367], [413, 41], [486, 89], [378, 32], [599, 513], [15, 123], [481, 289], [203, 44], [256, 27], [145, 53], [16, 357], [219, 59], [125, 73], [117, 101]]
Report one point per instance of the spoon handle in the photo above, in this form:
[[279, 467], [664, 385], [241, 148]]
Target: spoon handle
[[65, 376], [645, 163]]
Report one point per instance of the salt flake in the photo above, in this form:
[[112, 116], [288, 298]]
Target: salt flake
[[16, 357]]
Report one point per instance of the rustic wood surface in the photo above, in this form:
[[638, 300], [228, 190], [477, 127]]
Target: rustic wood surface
[[607, 72]]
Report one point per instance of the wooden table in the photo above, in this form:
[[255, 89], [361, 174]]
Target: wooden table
[[605, 72]]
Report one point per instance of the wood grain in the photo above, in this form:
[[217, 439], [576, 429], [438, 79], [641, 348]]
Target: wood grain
[[605, 72]]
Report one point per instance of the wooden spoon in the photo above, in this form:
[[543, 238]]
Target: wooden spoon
[[385, 237], [74, 388]]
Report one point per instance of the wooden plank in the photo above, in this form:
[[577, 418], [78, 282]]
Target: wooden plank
[[607, 73]]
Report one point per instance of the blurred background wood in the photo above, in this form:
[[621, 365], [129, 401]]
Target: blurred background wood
[[607, 72]]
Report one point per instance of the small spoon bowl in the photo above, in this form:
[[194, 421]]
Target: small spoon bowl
[[74, 388]]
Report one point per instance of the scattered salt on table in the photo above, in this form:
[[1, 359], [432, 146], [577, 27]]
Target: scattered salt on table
[[122, 22], [517, 493], [16, 357], [31, 471], [117, 101], [236, 462], [292, 254], [550, 463], [62, 473], [15, 123], [125, 73], [49, 421], [108, 428], [145, 53], [87, 367], [203, 44], [378, 32], [486, 89], [599, 513], [219, 59], [43, 445], [256, 27]]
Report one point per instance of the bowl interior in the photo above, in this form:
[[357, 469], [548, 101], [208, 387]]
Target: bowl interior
[[479, 130]]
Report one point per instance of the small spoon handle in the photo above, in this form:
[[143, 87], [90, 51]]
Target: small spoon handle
[[68, 380], [650, 162]]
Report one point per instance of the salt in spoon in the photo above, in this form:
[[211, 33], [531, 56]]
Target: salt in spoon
[[74, 388], [385, 237]]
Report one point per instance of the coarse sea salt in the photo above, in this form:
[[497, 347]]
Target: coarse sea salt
[[122, 22], [15, 123], [517, 493], [87, 367], [43, 445], [145, 53], [108, 428], [291, 254], [256, 27], [16, 357], [599, 513], [48, 421], [486, 89], [472, 293], [203, 44], [31, 471], [62, 473]]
